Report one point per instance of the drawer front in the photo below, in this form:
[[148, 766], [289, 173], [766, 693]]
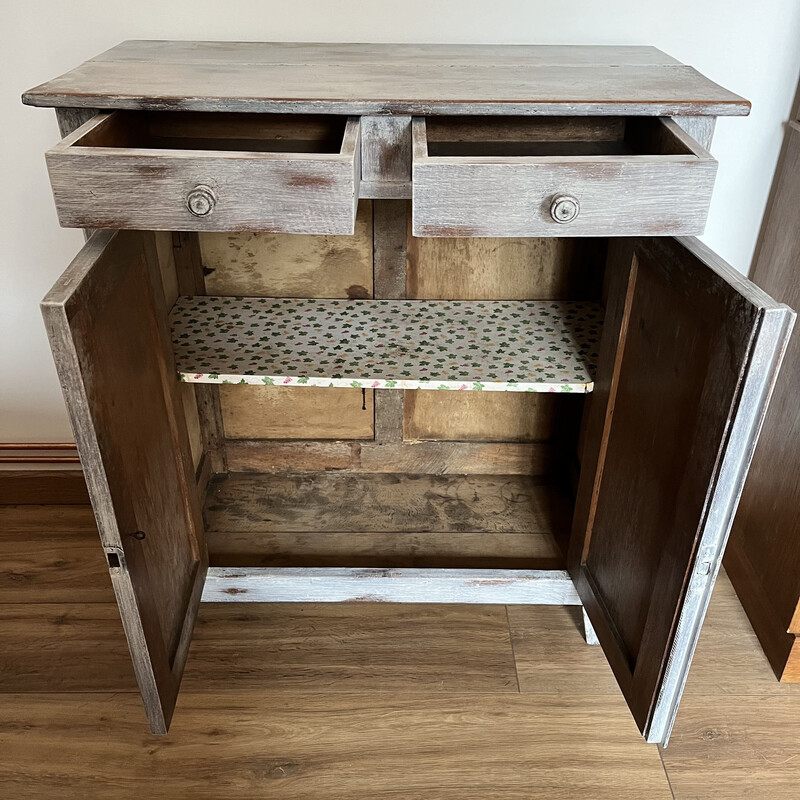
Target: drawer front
[[200, 174], [664, 192]]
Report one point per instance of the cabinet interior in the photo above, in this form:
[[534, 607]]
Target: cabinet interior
[[472, 479]]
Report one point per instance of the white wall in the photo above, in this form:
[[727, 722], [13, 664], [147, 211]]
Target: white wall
[[748, 47]]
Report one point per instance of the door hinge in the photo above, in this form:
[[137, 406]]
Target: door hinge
[[705, 560]]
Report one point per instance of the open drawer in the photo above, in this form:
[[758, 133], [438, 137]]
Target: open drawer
[[202, 171], [558, 176]]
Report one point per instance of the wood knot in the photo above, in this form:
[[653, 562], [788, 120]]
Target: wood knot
[[281, 768]]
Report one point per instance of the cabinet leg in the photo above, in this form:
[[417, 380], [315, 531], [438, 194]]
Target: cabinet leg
[[588, 630]]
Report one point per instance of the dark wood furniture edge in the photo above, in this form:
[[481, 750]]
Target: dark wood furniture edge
[[776, 251], [43, 487], [776, 642]]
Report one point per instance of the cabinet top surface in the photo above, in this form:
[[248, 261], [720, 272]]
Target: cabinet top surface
[[388, 79]]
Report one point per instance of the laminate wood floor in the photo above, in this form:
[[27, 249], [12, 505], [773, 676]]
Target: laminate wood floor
[[315, 701]]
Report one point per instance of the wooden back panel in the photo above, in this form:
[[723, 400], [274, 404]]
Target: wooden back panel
[[106, 322], [275, 265], [285, 265], [498, 269]]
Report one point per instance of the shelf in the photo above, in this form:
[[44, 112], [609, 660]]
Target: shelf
[[489, 345]]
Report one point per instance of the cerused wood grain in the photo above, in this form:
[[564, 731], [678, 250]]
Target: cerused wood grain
[[103, 187], [386, 149], [389, 79], [577, 82], [107, 328], [664, 190], [381, 585]]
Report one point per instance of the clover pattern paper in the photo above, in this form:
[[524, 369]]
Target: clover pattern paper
[[486, 345]]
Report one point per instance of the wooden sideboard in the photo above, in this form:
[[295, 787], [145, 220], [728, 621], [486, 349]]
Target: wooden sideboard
[[406, 323]]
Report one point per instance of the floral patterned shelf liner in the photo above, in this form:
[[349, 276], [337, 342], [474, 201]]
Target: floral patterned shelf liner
[[472, 345]]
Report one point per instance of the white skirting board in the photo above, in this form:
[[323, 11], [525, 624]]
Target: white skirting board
[[351, 585]]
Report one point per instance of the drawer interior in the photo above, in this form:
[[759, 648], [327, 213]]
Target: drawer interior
[[551, 136], [262, 133]]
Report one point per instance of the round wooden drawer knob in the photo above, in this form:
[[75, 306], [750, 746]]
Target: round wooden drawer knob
[[201, 200], [564, 208]]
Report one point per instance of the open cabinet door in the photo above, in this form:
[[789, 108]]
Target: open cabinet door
[[689, 355], [107, 329]]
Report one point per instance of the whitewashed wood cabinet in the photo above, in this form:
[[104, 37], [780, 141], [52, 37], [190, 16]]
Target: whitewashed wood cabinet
[[647, 361]]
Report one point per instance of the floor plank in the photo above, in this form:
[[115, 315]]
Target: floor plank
[[51, 554], [729, 658], [734, 748], [552, 656], [65, 647], [273, 648], [263, 745], [738, 729], [351, 648], [53, 567], [369, 701]]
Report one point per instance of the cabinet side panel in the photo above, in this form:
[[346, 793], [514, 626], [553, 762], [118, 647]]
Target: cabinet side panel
[[170, 284]]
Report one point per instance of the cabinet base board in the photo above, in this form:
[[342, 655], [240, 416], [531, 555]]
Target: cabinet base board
[[354, 585]]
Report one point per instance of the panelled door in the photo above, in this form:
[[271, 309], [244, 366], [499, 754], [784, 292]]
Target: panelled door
[[107, 329], [689, 355]]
